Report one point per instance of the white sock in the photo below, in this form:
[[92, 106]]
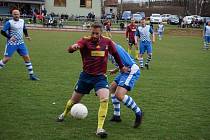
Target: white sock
[[1, 64]]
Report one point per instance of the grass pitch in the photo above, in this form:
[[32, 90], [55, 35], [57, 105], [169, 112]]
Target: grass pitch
[[174, 94]]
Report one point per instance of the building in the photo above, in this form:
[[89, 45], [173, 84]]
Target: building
[[74, 7], [25, 6], [110, 6]]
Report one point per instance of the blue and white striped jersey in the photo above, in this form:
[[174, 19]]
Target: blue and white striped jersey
[[144, 33], [160, 27], [15, 28], [207, 31]]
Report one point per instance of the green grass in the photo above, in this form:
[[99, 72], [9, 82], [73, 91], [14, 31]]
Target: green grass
[[174, 93]]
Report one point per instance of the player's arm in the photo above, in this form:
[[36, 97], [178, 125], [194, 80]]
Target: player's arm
[[114, 53], [137, 35], [76, 46], [5, 29], [153, 34], [113, 71], [204, 31], [126, 33], [25, 31]]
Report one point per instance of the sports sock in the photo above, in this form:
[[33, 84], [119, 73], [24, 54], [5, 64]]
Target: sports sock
[[136, 54], [1, 64], [129, 50], [69, 104], [102, 112], [141, 61], [116, 105], [29, 67], [130, 103], [148, 59]]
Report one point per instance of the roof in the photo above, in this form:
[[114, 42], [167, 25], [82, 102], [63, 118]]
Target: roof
[[110, 2], [26, 1]]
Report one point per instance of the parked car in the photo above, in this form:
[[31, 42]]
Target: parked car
[[141, 13], [137, 17], [173, 19], [187, 20], [108, 16], [126, 15], [196, 17], [155, 18], [165, 17]]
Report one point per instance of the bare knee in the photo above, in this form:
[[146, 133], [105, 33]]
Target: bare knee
[[113, 87]]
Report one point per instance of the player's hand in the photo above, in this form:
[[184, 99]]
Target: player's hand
[[29, 38], [13, 39], [114, 71], [75, 47], [124, 69]]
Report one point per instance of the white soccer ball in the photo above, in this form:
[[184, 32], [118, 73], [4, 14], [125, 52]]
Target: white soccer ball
[[79, 111]]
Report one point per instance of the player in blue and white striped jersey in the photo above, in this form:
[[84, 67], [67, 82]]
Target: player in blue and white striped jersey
[[123, 83], [206, 35], [13, 30], [160, 30], [143, 32]]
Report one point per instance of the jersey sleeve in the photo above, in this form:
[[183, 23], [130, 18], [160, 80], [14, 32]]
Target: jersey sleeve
[[151, 30], [82, 42], [6, 26], [127, 30], [137, 32], [114, 53]]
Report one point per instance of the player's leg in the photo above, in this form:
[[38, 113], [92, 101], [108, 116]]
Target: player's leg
[[129, 46], [9, 50], [22, 50], [208, 42], [75, 98], [136, 51], [149, 55], [160, 35], [4, 61], [205, 42], [109, 33], [141, 53], [102, 91], [126, 84], [82, 87], [115, 102], [103, 95]]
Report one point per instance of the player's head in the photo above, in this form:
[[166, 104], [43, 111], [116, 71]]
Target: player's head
[[96, 31], [208, 23], [143, 21], [132, 20], [16, 14]]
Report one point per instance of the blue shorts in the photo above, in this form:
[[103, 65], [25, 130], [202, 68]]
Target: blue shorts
[[160, 33], [87, 82], [207, 39], [127, 80], [145, 46], [10, 49]]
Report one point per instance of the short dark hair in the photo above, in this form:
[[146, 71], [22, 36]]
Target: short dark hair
[[96, 25]]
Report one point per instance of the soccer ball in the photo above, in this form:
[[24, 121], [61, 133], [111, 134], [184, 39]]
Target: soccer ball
[[79, 111]]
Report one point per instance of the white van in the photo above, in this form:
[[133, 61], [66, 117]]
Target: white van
[[155, 18]]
